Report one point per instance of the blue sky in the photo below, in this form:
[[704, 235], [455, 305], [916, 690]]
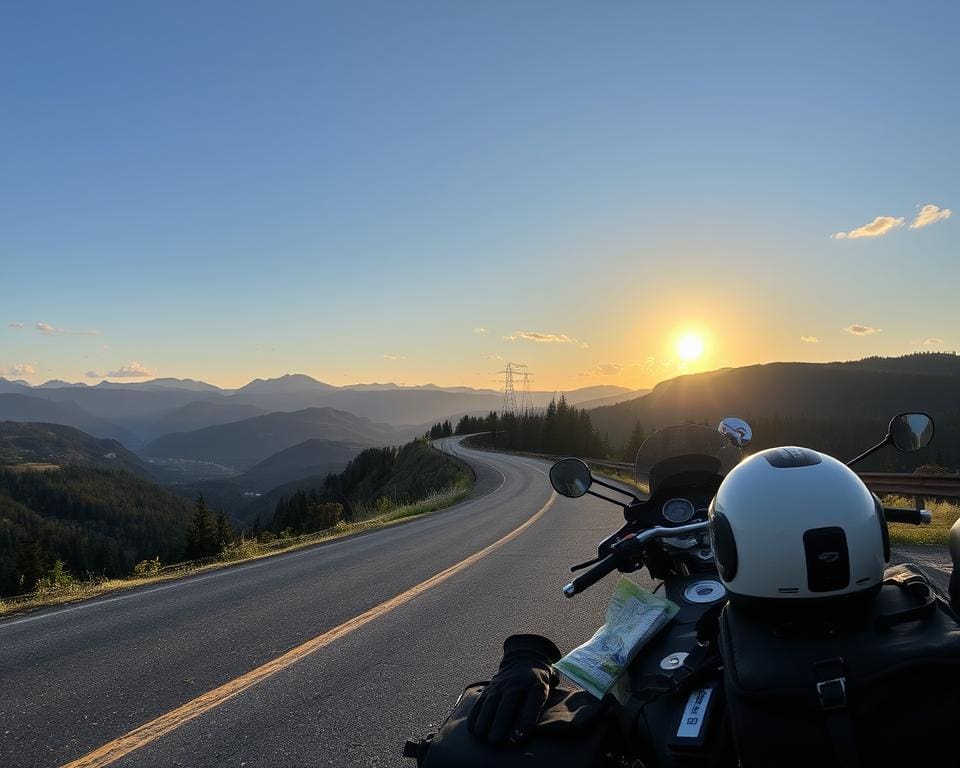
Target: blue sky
[[230, 190]]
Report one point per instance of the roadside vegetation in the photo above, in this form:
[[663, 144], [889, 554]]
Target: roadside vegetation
[[944, 513], [379, 487]]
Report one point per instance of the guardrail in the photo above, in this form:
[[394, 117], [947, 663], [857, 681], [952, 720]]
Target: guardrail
[[920, 486]]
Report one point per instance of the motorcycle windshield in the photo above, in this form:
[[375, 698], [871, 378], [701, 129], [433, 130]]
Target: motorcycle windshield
[[686, 448]]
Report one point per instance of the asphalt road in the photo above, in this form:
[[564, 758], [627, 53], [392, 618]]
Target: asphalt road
[[76, 678]]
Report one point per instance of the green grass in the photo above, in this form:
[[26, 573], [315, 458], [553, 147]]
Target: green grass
[[944, 514], [240, 551]]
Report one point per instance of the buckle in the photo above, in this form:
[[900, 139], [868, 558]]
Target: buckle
[[833, 693]]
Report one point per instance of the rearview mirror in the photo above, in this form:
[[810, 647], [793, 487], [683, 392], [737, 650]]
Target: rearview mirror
[[910, 431], [570, 478], [737, 431]]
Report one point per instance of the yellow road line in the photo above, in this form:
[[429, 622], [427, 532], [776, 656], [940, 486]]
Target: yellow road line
[[148, 732]]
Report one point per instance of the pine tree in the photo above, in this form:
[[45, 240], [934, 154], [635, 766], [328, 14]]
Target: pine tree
[[202, 533], [224, 531], [28, 565], [637, 436]]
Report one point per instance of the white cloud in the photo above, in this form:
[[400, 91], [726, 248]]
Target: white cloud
[[394, 357], [862, 330], [605, 369], [930, 214], [93, 375], [879, 227], [15, 326], [133, 371], [494, 357], [480, 331], [22, 369], [809, 339], [545, 338], [932, 342], [52, 330]]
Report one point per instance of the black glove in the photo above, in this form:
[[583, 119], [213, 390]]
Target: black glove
[[510, 705]]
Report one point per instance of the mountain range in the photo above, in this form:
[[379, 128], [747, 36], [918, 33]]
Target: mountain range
[[139, 413], [243, 444]]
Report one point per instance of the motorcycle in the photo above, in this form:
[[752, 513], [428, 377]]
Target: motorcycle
[[669, 712]]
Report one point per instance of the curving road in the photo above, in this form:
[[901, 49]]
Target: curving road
[[189, 656]]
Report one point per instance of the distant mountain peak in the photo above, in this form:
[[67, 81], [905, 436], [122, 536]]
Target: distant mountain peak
[[58, 384], [289, 382]]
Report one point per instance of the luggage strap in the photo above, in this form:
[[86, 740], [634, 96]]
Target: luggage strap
[[916, 584], [832, 694], [703, 659]]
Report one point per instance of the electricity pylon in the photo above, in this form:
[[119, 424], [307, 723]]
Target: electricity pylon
[[509, 392]]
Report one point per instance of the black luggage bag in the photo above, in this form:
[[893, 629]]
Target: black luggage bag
[[876, 686], [573, 732]]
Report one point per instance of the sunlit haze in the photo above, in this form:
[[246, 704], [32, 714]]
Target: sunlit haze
[[419, 192]]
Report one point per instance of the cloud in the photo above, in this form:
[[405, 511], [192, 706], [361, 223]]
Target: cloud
[[15, 326], [494, 357], [93, 375], [879, 227], [51, 330], [394, 357], [133, 371], [546, 338], [22, 369], [605, 369], [930, 214], [932, 342], [862, 330], [809, 339], [480, 331]]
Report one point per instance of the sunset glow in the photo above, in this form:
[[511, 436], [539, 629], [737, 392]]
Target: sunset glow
[[689, 346]]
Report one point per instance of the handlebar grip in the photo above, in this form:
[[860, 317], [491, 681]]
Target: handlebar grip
[[909, 516], [591, 577]]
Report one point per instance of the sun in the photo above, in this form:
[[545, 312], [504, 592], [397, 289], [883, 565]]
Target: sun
[[690, 346]]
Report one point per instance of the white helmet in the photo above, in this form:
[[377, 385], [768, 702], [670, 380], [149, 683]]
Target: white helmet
[[790, 523]]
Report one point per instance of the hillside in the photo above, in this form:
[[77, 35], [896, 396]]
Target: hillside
[[620, 397], [376, 477], [857, 397], [243, 444], [16, 407], [25, 443], [312, 459], [316, 456], [190, 417], [96, 521]]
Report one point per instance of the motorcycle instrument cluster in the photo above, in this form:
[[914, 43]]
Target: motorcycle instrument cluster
[[678, 510]]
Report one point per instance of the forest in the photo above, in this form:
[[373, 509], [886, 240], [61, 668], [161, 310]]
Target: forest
[[92, 521], [560, 428], [88, 523], [378, 479]]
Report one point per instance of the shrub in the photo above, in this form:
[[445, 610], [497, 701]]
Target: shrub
[[147, 567], [57, 579]]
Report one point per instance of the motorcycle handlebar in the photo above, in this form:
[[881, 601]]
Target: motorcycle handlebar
[[591, 577], [612, 561], [909, 516]]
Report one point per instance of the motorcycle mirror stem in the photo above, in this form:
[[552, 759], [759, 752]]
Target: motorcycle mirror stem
[[907, 432], [572, 478]]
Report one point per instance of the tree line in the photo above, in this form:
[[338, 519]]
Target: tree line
[[560, 428]]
